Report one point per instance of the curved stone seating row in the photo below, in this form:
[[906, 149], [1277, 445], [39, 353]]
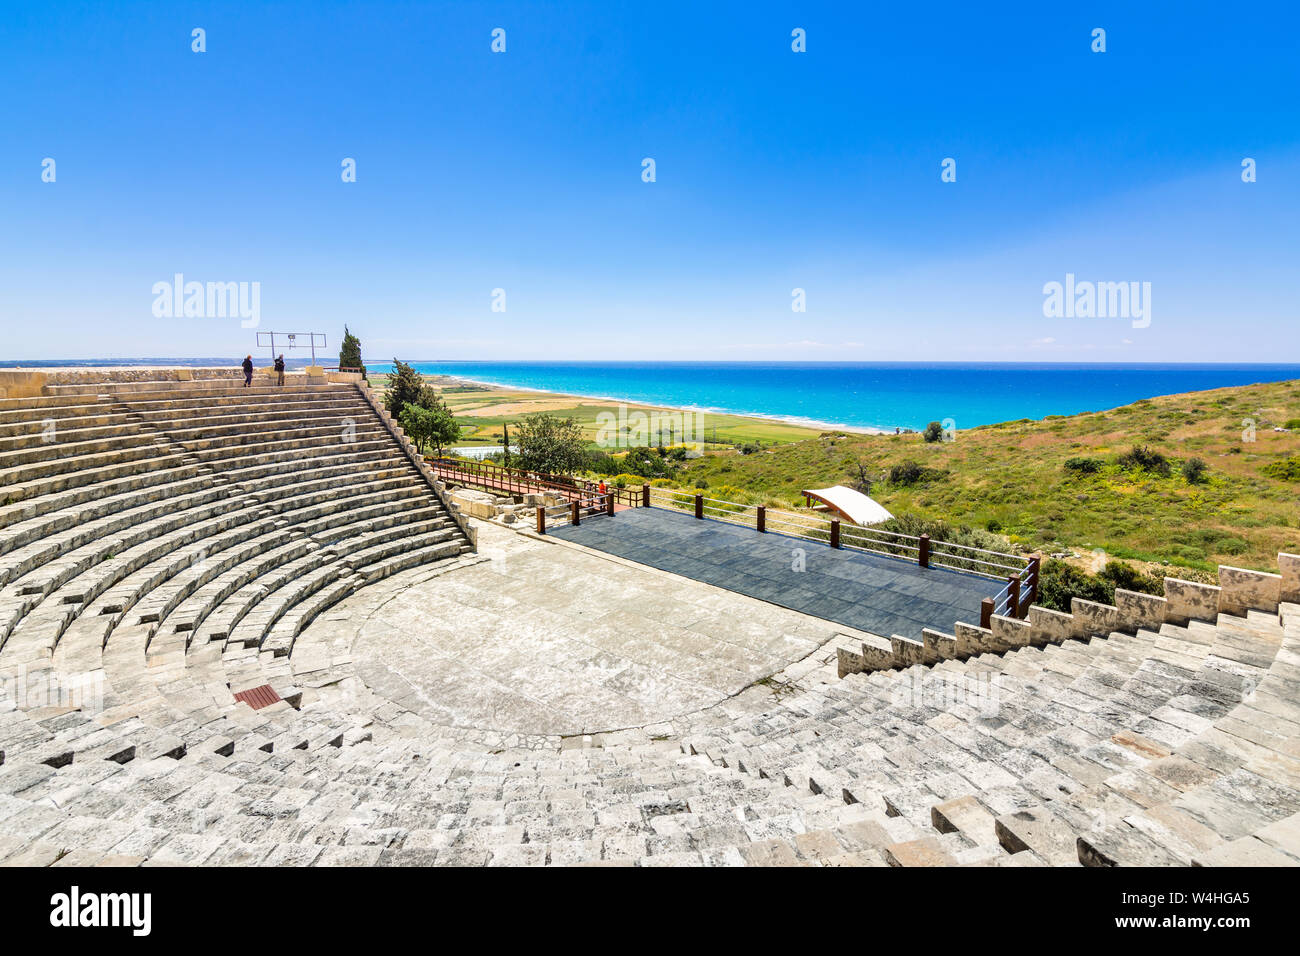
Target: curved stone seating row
[[350, 804], [1070, 751], [244, 468], [404, 802], [111, 566], [643, 805]]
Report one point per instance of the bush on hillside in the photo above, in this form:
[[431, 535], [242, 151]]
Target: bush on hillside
[[933, 432], [1082, 466], [1287, 469], [603, 463], [1142, 458], [1060, 581], [915, 525], [1194, 470], [910, 473], [645, 461]]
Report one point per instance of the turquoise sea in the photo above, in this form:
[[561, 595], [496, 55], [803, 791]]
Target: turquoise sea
[[882, 395]]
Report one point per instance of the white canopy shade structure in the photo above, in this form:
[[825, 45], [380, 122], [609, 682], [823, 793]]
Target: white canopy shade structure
[[852, 505]]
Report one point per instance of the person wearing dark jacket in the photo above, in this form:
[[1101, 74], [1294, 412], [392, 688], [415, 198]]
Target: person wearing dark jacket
[[279, 370], [248, 370]]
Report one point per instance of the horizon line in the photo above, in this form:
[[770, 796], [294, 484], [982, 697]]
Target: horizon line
[[142, 360]]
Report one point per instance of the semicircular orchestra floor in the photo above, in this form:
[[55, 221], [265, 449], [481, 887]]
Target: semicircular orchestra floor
[[546, 639]]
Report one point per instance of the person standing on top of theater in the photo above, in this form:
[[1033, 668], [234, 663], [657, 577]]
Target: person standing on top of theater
[[279, 370]]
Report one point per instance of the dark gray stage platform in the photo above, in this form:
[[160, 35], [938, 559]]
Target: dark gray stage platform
[[882, 595]]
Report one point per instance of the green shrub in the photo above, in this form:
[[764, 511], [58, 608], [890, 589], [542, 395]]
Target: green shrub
[[1287, 469], [933, 432], [603, 463], [645, 461], [1293, 424], [1083, 466], [910, 473], [1194, 470], [1060, 582], [915, 525], [1142, 458], [1230, 545], [737, 499]]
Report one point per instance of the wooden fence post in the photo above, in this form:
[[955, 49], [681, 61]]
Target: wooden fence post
[[924, 553], [1014, 581], [762, 518], [645, 496], [699, 506], [541, 519], [835, 532], [574, 516], [609, 503], [986, 613]]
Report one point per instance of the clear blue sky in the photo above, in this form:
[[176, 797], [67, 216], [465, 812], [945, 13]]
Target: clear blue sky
[[775, 170]]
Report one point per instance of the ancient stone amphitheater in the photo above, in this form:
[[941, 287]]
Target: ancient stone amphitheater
[[234, 626]]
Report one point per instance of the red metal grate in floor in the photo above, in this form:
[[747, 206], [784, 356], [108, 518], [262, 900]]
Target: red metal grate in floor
[[258, 697]]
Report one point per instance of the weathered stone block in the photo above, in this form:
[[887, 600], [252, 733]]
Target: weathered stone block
[[1138, 610], [1289, 565], [938, 645], [1034, 828], [1010, 631], [874, 655], [849, 661], [1189, 601], [1245, 590], [1049, 627], [972, 640], [907, 651], [18, 383], [1091, 618]]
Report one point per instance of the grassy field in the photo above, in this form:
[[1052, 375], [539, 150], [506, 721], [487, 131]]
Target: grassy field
[[1011, 478]]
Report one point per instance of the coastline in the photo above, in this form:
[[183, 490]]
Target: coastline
[[864, 398], [811, 424]]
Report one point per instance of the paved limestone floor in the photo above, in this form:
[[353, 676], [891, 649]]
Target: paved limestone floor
[[881, 595], [547, 639]]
